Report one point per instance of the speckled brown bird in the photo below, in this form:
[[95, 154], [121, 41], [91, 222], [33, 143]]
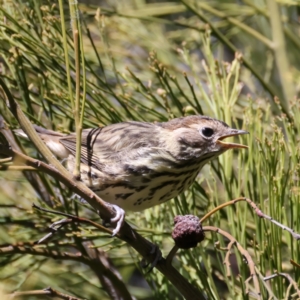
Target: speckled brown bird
[[136, 165]]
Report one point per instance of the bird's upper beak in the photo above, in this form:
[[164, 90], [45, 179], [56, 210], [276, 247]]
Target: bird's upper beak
[[232, 145]]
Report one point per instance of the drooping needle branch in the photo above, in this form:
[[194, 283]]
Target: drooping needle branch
[[49, 292]]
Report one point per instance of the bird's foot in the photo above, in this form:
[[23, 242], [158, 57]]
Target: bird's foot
[[118, 219], [156, 255]]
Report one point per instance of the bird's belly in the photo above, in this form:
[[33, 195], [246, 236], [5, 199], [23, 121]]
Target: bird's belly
[[137, 186], [137, 196]]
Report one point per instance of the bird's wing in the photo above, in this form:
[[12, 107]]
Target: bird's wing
[[113, 143]]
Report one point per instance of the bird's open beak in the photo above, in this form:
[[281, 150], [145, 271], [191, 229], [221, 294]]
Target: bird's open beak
[[232, 145]]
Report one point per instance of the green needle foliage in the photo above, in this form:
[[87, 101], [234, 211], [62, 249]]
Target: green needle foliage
[[134, 60]]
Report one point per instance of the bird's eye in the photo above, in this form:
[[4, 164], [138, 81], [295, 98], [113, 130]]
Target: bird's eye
[[207, 132]]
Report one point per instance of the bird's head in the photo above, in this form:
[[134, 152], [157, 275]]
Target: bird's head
[[197, 136]]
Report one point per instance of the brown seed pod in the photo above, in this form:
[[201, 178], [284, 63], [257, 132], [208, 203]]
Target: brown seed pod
[[187, 232]]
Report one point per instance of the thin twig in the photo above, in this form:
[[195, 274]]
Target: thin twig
[[73, 218], [171, 254], [288, 277], [59, 224], [256, 210], [264, 216], [17, 168], [46, 292], [28, 248], [243, 252]]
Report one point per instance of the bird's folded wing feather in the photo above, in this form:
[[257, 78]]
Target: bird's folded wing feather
[[114, 143]]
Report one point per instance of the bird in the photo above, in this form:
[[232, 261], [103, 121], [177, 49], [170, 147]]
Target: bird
[[137, 165]]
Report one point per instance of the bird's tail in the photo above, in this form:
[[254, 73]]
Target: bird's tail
[[51, 139]]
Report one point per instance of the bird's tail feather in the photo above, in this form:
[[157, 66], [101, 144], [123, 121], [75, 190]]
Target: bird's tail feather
[[51, 139]]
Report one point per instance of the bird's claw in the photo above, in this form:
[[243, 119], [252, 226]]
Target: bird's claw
[[118, 218]]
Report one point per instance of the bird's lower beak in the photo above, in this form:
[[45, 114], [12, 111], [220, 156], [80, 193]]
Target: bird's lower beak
[[232, 145]]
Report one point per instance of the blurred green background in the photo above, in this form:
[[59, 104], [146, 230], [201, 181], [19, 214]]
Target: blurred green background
[[237, 61]]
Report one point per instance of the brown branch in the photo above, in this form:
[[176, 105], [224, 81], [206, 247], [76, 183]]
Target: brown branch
[[99, 262], [94, 258], [107, 274], [126, 233]]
